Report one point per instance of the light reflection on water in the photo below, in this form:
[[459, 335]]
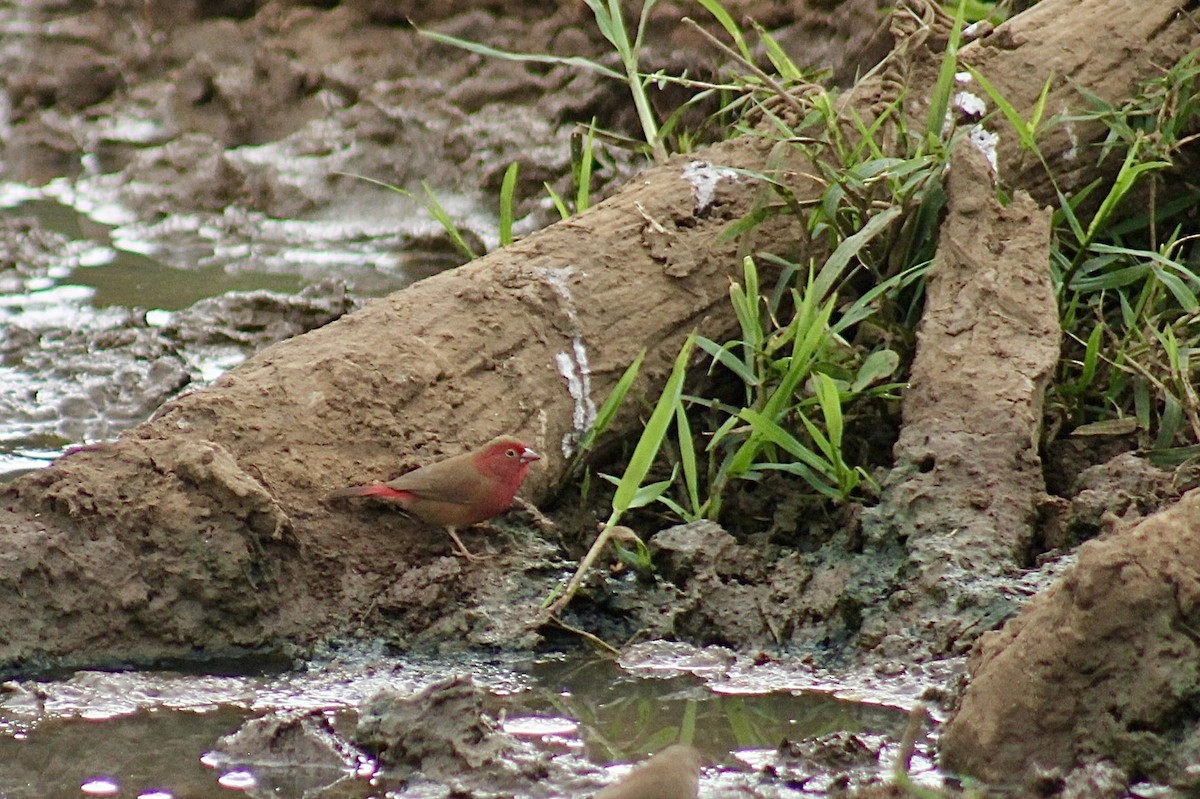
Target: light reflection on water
[[147, 733], [96, 262]]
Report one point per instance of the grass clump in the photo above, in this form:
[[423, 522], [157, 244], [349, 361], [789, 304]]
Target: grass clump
[[821, 339], [814, 342]]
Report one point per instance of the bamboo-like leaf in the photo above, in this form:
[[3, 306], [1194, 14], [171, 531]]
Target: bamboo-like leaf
[[507, 189], [493, 52], [653, 433]]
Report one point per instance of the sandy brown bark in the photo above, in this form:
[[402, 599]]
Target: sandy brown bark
[[203, 530]]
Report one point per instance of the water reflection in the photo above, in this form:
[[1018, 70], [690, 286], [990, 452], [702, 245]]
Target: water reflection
[[147, 733], [154, 752], [624, 717]]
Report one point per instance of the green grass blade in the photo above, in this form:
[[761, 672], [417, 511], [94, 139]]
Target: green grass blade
[[492, 52], [687, 459], [1183, 295], [1008, 109], [1170, 422], [771, 431], [723, 356], [649, 493], [608, 409], [940, 99], [836, 264], [726, 21], [647, 6], [1126, 177], [783, 63], [654, 432], [583, 180], [563, 211], [435, 207], [507, 189]]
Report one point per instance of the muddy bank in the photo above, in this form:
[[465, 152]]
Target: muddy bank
[[203, 530], [523, 342], [1102, 667], [216, 526]]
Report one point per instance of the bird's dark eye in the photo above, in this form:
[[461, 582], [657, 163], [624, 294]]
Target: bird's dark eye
[[510, 453]]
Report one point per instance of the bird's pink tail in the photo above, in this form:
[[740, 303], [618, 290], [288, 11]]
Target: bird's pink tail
[[385, 492]]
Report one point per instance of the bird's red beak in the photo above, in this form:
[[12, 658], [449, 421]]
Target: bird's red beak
[[529, 456]]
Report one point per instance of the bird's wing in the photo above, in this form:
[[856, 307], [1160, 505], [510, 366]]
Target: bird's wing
[[454, 481]]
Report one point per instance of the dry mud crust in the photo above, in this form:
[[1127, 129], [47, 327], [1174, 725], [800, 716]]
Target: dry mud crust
[[959, 509], [1103, 666]]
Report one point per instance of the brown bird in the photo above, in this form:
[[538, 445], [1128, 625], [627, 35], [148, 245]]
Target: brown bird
[[460, 491], [673, 773]]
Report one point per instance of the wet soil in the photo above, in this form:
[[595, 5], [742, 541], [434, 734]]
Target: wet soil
[[202, 533]]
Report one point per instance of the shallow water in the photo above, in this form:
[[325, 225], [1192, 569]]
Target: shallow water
[[151, 734], [96, 271]]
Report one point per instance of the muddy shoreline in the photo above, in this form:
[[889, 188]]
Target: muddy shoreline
[[201, 532]]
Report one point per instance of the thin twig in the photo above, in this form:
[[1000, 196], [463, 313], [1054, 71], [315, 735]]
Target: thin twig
[[584, 565], [767, 80], [595, 641]]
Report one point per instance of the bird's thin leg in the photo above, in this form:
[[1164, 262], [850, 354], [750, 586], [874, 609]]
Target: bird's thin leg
[[460, 547]]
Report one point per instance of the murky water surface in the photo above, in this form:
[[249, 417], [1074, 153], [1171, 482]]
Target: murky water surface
[[152, 734], [96, 272]]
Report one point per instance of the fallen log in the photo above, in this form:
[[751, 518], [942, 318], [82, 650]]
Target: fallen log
[[205, 527], [203, 530]]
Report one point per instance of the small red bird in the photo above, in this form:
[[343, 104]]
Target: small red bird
[[460, 491]]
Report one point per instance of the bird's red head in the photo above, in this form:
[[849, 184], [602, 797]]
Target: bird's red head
[[507, 458]]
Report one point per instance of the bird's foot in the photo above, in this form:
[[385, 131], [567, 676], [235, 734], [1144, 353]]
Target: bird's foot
[[460, 548]]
